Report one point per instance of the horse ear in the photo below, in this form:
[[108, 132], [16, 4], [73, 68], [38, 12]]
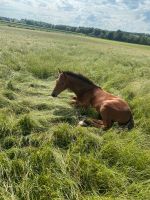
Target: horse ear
[[60, 71]]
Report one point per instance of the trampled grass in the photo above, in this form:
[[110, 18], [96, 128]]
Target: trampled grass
[[43, 153]]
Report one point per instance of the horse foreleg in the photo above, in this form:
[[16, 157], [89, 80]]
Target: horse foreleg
[[107, 124], [104, 124], [92, 122], [96, 123], [78, 103], [74, 98], [74, 102]]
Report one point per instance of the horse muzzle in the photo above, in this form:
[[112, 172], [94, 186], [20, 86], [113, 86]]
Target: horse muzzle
[[53, 95]]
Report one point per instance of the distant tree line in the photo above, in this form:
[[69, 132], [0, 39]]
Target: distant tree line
[[137, 38]]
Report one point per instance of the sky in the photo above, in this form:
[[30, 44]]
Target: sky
[[125, 15]]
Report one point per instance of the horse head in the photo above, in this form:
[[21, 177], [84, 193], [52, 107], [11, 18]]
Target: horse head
[[61, 84]]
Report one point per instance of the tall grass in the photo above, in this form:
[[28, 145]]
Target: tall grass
[[43, 153]]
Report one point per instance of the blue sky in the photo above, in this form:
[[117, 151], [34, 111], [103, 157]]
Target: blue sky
[[127, 15]]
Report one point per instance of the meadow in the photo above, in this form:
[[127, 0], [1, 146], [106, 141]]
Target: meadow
[[44, 154]]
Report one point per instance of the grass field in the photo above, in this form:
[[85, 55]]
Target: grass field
[[44, 155]]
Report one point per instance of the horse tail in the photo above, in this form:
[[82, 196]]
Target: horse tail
[[130, 123]]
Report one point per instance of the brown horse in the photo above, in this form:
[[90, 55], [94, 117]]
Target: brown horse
[[111, 108]]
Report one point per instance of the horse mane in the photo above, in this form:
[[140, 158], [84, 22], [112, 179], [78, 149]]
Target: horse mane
[[79, 76]]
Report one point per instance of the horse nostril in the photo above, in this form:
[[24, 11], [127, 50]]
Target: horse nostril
[[54, 95]]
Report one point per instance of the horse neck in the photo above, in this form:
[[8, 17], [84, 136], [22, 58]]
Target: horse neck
[[78, 86]]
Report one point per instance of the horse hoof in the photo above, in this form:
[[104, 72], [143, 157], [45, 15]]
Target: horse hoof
[[82, 123]]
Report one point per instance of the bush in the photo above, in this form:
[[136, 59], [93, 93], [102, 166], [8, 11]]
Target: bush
[[10, 85], [111, 153], [9, 142], [63, 136], [95, 176], [18, 108], [87, 142], [7, 125], [26, 125], [42, 72], [18, 170], [3, 102], [10, 95]]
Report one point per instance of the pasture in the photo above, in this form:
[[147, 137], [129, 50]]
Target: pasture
[[43, 153]]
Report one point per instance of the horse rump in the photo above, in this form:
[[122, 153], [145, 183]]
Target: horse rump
[[130, 123]]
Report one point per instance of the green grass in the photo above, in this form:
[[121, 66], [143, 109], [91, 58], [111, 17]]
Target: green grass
[[43, 153]]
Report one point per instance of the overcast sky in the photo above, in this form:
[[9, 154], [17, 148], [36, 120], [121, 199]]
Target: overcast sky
[[126, 15]]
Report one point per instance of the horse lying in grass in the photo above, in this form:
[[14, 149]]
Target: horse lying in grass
[[111, 108]]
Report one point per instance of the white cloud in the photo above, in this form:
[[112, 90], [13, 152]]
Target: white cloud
[[127, 15]]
